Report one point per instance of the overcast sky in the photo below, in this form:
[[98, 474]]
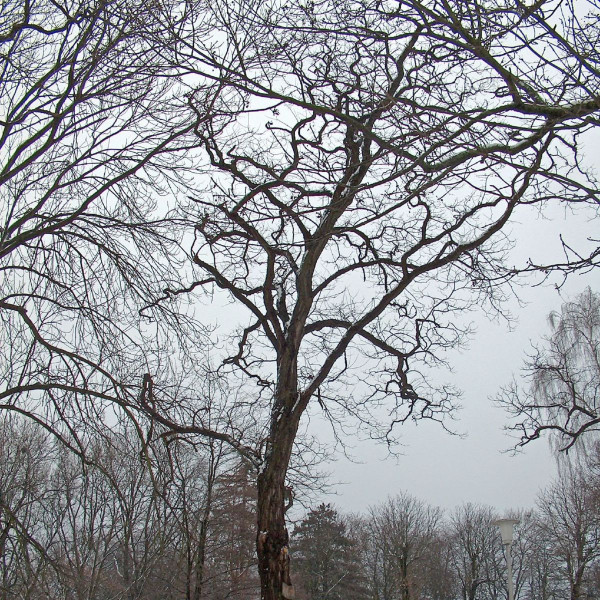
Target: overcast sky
[[447, 470]]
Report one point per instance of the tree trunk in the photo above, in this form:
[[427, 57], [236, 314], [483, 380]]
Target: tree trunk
[[405, 589], [576, 587], [272, 537], [201, 553], [272, 540], [203, 533]]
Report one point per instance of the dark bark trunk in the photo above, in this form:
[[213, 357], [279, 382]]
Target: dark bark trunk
[[272, 540], [272, 537], [204, 524], [405, 589], [127, 563], [576, 587], [201, 556]]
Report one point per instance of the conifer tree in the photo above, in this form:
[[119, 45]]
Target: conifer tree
[[327, 559]]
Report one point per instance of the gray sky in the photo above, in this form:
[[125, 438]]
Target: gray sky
[[447, 470]]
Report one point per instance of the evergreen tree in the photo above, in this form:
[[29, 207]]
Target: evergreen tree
[[232, 538], [326, 557]]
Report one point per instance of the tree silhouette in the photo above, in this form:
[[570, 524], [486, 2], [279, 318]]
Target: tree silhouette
[[364, 173]]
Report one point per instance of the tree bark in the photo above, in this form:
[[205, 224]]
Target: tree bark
[[576, 587], [272, 537], [272, 540], [203, 533], [201, 547]]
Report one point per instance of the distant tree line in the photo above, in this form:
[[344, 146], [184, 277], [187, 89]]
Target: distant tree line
[[181, 526], [119, 528], [406, 549]]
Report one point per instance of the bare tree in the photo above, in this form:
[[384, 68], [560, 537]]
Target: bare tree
[[439, 580], [129, 523], [570, 517], [563, 395], [363, 175], [26, 461], [81, 514], [191, 501], [476, 554], [92, 139], [401, 532], [541, 570]]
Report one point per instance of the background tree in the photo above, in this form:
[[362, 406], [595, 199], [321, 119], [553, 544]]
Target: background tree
[[439, 580], [233, 532], [541, 573], [476, 556], [191, 503], [531, 560], [119, 526], [563, 375], [328, 564], [401, 532], [570, 518], [26, 461], [86, 528]]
